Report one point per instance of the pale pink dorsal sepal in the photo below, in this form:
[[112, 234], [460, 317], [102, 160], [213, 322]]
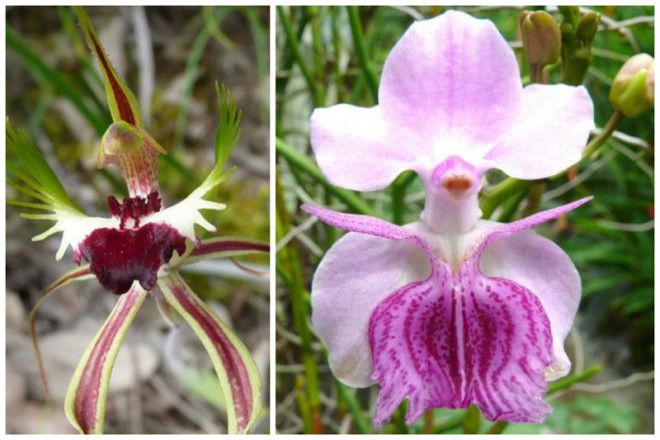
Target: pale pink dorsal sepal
[[452, 74]]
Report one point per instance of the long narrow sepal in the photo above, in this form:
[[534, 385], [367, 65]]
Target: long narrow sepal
[[225, 247], [236, 370], [77, 274], [121, 101], [88, 391]]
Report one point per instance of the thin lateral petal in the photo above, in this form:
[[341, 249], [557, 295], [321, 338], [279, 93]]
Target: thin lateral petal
[[550, 133], [367, 225], [225, 247], [454, 340], [352, 148], [453, 79], [507, 229], [88, 391], [78, 274], [236, 370], [121, 101], [541, 266], [355, 275]]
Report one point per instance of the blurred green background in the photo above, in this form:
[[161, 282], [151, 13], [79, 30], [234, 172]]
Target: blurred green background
[[170, 57], [324, 57]]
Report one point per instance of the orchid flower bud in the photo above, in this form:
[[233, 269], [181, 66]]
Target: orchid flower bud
[[541, 37], [633, 87]]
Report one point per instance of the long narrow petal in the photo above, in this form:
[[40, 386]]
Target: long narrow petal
[[550, 134], [88, 391], [77, 274], [225, 247], [236, 370], [122, 102], [367, 225], [453, 75]]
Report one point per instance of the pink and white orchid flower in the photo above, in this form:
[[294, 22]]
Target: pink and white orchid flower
[[452, 310]]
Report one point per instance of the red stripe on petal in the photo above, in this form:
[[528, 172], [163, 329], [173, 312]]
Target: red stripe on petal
[[69, 277], [210, 247], [123, 105], [88, 393], [237, 374]]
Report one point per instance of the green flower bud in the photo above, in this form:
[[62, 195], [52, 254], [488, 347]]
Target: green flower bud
[[633, 89], [587, 27], [541, 37]]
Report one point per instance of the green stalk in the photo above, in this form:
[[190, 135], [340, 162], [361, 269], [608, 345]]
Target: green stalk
[[289, 259], [472, 420], [566, 382], [302, 162], [292, 41], [361, 422], [398, 192], [498, 194], [597, 142], [361, 50]]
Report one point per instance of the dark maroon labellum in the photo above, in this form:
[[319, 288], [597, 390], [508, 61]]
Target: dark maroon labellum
[[120, 256]]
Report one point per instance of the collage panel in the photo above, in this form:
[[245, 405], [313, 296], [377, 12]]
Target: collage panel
[[138, 162], [416, 148]]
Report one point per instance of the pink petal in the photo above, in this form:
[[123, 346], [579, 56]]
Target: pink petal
[[452, 78], [542, 267], [353, 150], [549, 135], [356, 274], [454, 340]]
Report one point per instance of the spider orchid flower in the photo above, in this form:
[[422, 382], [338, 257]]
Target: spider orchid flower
[[137, 250], [451, 310]]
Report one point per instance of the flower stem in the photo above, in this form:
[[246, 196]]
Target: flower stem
[[288, 260], [363, 425], [428, 421], [398, 192], [292, 41], [361, 50], [295, 159], [497, 194], [597, 142], [566, 382]]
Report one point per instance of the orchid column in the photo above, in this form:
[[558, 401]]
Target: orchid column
[[451, 310]]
